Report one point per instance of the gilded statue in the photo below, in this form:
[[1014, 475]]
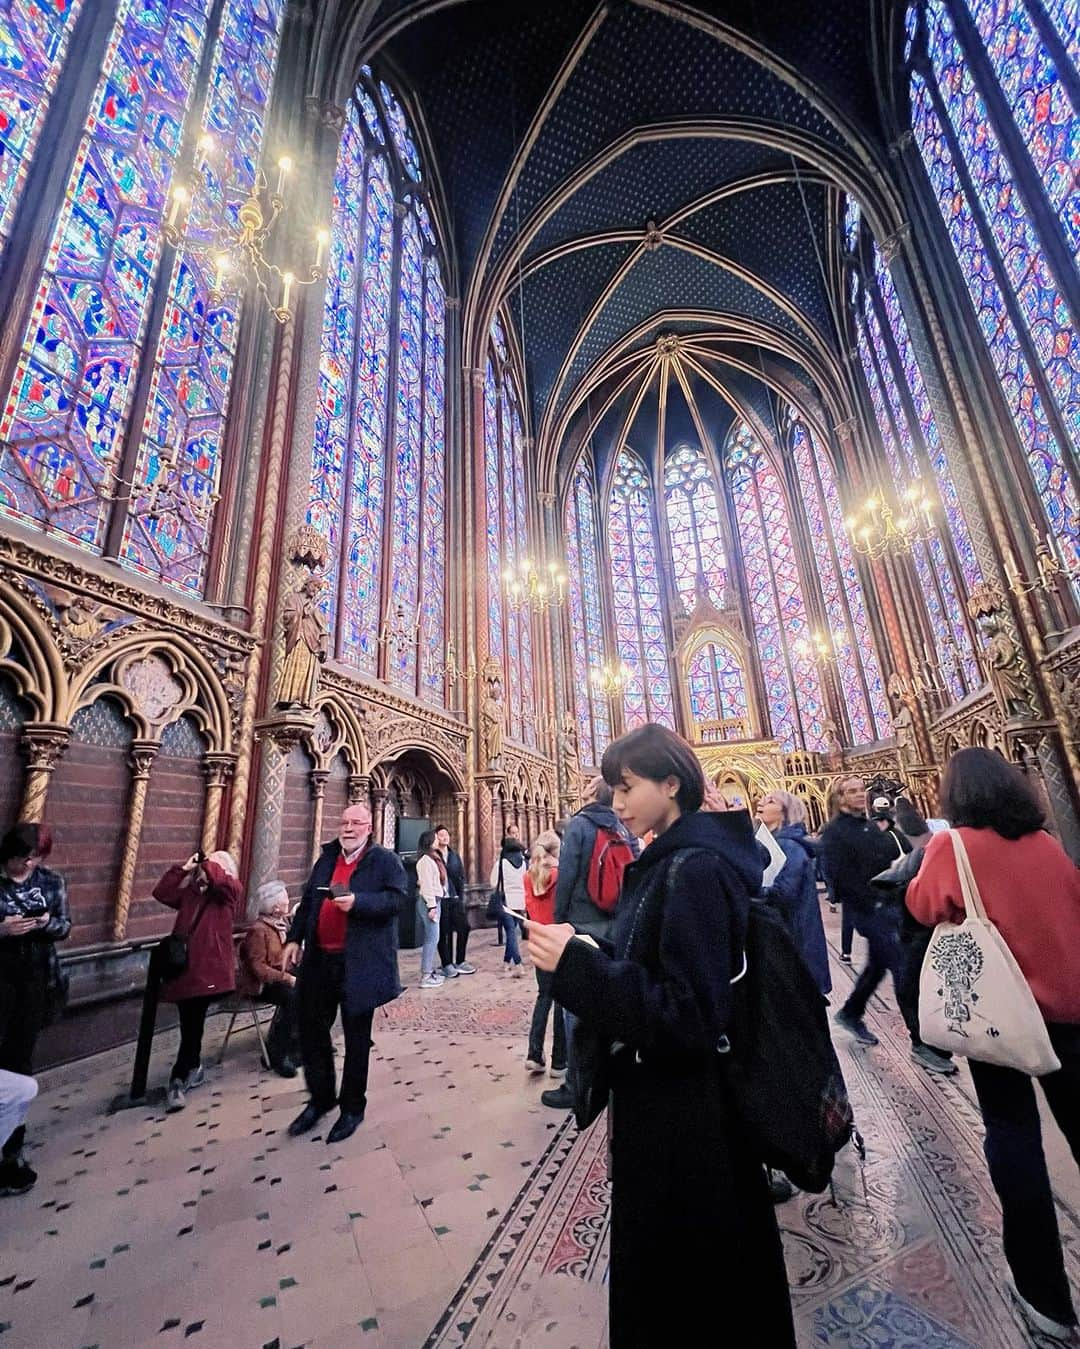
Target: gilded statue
[[831, 749], [569, 754], [1004, 669], [903, 725], [305, 645], [492, 720]]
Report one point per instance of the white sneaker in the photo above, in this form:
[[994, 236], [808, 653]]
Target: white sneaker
[[195, 1078], [465, 968], [516, 972], [431, 981], [534, 1065], [450, 971], [557, 1073], [174, 1097], [1053, 1330]]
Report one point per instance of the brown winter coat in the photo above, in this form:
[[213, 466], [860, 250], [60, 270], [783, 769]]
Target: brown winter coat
[[260, 960], [211, 969]]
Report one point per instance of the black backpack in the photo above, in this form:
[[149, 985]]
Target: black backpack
[[781, 1067]]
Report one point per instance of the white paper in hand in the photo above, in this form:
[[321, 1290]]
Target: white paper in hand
[[776, 856]]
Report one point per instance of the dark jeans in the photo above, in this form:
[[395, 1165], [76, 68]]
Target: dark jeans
[[453, 930], [23, 1012], [912, 954], [880, 927], [847, 930], [509, 928], [538, 1029], [321, 986], [1014, 1154], [192, 1012], [283, 1040]]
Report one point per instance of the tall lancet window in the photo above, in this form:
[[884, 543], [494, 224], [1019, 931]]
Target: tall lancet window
[[636, 592], [789, 671], [510, 630], [74, 458], [996, 130], [693, 513], [858, 670], [378, 480], [585, 613]]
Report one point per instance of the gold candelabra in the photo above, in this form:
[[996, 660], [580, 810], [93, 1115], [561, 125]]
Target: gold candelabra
[[451, 670], [881, 526], [397, 632], [236, 250], [610, 679], [533, 585], [1047, 565]]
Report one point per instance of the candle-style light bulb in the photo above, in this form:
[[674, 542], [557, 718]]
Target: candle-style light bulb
[[287, 282], [224, 266], [284, 165], [179, 200], [322, 238]]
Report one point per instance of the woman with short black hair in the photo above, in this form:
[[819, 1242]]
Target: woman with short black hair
[[1031, 891], [694, 1242], [33, 918]]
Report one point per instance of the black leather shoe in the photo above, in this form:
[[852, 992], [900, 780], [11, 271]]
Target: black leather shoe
[[559, 1098], [306, 1120], [285, 1068], [344, 1127]]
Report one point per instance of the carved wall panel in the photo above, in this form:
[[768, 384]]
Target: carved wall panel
[[298, 821], [335, 797]]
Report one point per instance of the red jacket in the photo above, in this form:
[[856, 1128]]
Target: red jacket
[[1031, 892], [211, 965], [541, 908]]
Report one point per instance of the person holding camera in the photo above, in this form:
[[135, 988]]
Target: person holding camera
[[346, 925], [208, 899]]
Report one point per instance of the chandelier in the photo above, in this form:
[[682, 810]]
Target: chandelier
[[610, 678], [451, 669], [397, 632], [1047, 565], [536, 586], [882, 527], [239, 251], [822, 647]]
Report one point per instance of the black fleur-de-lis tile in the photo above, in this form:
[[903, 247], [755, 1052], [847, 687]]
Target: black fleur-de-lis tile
[[170, 1324], [193, 1328], [83, 1301]]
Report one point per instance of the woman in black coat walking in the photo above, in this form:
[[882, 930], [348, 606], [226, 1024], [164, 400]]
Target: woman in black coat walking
[[694, 1241]]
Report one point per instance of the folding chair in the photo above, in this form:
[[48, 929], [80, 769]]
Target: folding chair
[[240, 1003]]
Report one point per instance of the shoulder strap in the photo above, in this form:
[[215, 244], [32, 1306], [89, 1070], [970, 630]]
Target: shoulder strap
[[973, 905]]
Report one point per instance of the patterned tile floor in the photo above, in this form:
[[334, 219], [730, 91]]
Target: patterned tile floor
[[463, 1213]]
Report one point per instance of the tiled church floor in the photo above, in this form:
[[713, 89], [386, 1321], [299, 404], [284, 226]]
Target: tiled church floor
[[463, 1213]]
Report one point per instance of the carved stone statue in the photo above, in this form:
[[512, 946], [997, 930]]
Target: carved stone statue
[[305, 645], [831, 749], [492, 719], [903, 725], [569, 754], [1004, 669]]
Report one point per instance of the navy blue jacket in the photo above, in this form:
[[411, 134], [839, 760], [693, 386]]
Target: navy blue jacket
[[379, 884], [794, 892]]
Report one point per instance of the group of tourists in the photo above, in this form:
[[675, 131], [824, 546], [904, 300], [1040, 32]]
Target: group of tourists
[[644, 953]]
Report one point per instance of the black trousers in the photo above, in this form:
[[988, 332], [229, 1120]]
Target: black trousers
[[23, 1011], [453, 930], [1014, 1154], [847, 930], [283, 1040], [538, 1029], [320, 988], [881, 929], [192, 1012]]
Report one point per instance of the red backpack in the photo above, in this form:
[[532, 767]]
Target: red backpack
[[611, 855]]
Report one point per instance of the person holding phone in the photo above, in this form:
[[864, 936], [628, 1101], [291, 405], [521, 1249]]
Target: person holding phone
[[208, 899], [431, 881], [346, 927], [33, 918], [508, 880]]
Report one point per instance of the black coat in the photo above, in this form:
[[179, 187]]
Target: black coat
[[853, 851], [378, 882], [455, 874], [694, 1241]]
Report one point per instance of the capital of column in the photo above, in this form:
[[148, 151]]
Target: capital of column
[[218, 768], [319, 777], [892, 246], [141, 758], [44, 743], [327, 114], [475, 376], [286, 729], [359, 787], [461, 798]]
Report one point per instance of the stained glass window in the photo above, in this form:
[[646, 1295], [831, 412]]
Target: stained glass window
[[510, 631], [852, 222], [693, 514], [586, 620], [635, 578], [716, 683], [34, 38], [792, 686], [1065, 15], [858, 671], [433, 556], [168, 527], [936, 585], [1013, 251], [87, 358], [66, 411]]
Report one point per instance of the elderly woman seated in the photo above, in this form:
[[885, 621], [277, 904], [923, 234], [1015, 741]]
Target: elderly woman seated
[[261, 974]]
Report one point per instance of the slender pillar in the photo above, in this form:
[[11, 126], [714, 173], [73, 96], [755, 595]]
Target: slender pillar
[[143, 754], [379, 798], [461, 801], [217, 769], [319, 777], [44, 743]]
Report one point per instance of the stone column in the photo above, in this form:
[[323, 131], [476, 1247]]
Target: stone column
[[217, 769], [461, 800], [277, 736], [319, 777], [379, 798], [43, 743], [143, 754]]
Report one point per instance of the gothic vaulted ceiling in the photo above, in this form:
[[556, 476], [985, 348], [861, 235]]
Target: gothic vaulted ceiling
[[618, 172]]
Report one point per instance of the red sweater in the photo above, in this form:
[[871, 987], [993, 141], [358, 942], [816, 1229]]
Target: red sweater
[[541, 908], [333, 924], [1031, 892]]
